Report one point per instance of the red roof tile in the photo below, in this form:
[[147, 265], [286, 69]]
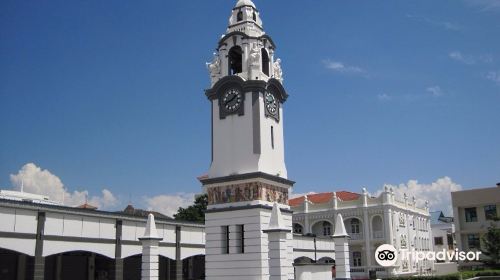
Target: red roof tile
[[319, 198]]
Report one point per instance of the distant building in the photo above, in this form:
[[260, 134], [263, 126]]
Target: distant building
[[27, 197], [370, 222], [130, 210], [473, 211], [443, 232]]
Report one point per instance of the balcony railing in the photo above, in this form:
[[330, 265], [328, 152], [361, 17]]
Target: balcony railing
[[356, 236], [360, 269], [378, 234]]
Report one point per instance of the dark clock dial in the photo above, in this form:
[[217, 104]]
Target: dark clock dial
[[271, 103], [231, 100]]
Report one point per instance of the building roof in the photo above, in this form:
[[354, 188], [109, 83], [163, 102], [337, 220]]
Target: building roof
[[130, 210], [319, 198], [438, 217], [87, 206]]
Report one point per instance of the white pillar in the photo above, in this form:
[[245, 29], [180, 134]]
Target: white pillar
[[366, 229], [340, 237], [280, 265], [388, 233], [335, 201], [150, 251], [307, 228]]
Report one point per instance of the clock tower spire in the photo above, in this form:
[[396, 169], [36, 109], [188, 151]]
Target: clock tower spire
[[247, 173]]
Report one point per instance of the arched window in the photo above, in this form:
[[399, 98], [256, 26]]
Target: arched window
[[327, 229], [239, 17], [354, 226], [297, 228], [254, 16], [235, 60], [265, 62]]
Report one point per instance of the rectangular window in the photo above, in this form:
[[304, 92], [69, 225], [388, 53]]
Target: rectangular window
[[473, 241], [490, 212], [355, 228], [272, 137], [240, 239], [356, 259], [438, 240], [225, 239], [470, 214]]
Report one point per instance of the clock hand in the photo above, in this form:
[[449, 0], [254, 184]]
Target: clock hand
[[234, 96]]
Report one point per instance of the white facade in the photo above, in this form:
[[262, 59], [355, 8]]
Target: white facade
[[43, 232], [443, 239], [370, 222], [443, 232]]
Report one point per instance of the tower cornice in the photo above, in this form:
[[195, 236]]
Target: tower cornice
[[223, 40], [252, 85], [246, 176]]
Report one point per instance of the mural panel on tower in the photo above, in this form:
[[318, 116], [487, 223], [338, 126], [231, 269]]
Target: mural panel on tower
[[247, 192]]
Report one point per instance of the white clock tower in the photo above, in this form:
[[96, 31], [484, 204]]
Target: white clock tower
[[247, 173]]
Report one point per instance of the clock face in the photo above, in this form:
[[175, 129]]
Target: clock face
[[231, 100], [271, 103]]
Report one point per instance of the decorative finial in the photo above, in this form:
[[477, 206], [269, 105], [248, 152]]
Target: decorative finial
[[150, 232]]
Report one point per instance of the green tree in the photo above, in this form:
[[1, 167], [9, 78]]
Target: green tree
[[195, 212], [491, 241]]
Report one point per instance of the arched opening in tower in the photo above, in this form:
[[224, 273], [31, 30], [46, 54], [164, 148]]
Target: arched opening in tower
[[265, 62], [235, 60], [239, 17]]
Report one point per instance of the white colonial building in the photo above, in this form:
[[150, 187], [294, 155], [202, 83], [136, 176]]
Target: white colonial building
[[370, 222]]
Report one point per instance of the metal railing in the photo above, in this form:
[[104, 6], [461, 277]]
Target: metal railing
[[378, 234], [356, 236]]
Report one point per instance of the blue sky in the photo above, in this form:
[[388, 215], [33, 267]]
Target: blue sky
[[109, 94]]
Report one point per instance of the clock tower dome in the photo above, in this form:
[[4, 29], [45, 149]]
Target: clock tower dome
[[247, 174]]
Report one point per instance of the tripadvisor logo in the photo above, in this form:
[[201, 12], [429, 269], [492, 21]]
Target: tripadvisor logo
[[387, 255]]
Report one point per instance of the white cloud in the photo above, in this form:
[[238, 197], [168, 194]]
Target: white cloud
[[41, 181], [485, 5], [436, 91], [470, 59], [169, 204], [456, 55], [384, 97], [442, 24], [342, 68], [438, 193], [494, 76]]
